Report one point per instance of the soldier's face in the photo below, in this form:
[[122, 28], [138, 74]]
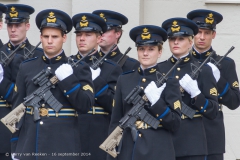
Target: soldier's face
[[180, 46], [17, 32], [86, 41], [203, 40], [109, 38], [148, 55], [52, 41]]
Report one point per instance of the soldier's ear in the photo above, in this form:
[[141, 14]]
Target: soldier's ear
[[27, 26], [1, 24]]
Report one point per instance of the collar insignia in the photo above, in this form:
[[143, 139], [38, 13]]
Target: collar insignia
[[209, 19], [13, 13], [113, 54], [145, 34], [175, 27], [84, 22], [139, 69], [100, 53], [152, 70], [78, 56], [51, 18], [172, 59], [9, 45], [15, 88], [186, 59], [58, 58], [44, 58], [207, 54], [194, 53]]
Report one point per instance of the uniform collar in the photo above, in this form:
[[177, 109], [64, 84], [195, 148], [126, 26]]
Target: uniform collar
[[203, 55], [90, 59], [114, 53], [148, 71], [186, 59], [59, 58], [12, 47]]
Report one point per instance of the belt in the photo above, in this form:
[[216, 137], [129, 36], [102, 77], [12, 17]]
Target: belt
[[51, 113], [97, 110], [220, 107], [195, 116], [143, 125], [3, 103]]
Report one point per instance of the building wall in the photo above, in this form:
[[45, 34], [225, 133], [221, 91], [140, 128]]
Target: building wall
[[155, 12]]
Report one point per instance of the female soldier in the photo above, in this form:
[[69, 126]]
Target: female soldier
[[164, 101], [200, 94]]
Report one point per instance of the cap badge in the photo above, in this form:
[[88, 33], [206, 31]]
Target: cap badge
[[84, 22], [175, 27], [145, 34], [209, 19], [102, 16], [51, 18], [13, 12]]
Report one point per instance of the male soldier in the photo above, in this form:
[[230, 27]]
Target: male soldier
[[55, 133], [94, 125], [17, 19], [225, 75], [112, 36], [3, 9]]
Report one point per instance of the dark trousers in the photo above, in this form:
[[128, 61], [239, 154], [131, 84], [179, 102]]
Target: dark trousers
[[215, 157], [5, 156], [191, 158]]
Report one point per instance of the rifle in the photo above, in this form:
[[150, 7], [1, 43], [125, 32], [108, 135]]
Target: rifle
[[42, 94], [6, 59], [30, 53], [97, 63], [186, 110], [137, 112], [217, 63], [124, 57]]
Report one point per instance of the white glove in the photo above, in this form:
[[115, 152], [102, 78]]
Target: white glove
[[1, 73], [12, 155], [190, 85], [63, 71], [153, 93], [215, 71], [95, 73]]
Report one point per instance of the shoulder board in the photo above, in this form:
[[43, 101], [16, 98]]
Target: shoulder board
[[128, 72], [110, 62], [31, 59]]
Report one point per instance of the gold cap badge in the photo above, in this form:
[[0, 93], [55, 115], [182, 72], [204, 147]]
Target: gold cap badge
[[175, 27], [84, 22], [102, 16], [145, 34], [13, 12], [209, 19], [51, 18]]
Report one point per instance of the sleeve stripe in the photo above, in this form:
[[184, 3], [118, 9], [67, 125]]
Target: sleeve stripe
[[204, 107], [14, 139], [104, 88], [72, 90], [164, 113], [9, 91], [225, 90]]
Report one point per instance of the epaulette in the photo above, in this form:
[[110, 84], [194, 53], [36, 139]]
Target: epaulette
[[31, 59], [128, 72], [110, 62]]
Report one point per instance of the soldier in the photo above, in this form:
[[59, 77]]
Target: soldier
[[94, 125], [198, 92], [56, 134], [164, 101], [17, 19], [112, 36], [3, 9], [225, 75]]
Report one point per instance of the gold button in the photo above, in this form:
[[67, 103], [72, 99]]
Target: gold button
[[177, 77], [163, 74], [205, 111], [220, 98], [160, 120], [43, 105], [178, 69], [64, 91], [219, 109], [41, 122], [201, 107], [143, 80], [140, 135], [68, 96], [157, 115]]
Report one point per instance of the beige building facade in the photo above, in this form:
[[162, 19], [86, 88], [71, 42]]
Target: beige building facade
[[154, 12]]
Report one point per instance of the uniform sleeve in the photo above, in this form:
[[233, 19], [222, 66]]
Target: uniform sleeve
[[206, 102], [7, 86], [19, 94], [228, 86], [78, 88], [167, 108], [105, 87]]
